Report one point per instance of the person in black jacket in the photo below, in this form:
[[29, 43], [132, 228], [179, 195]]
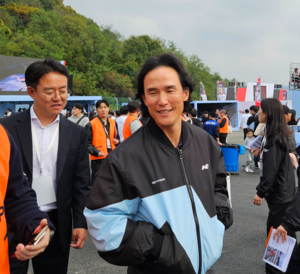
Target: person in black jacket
[[254, 118], [195, 121], [277, 181], [159, 201]]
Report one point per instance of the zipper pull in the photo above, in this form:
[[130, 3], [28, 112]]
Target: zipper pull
[[180, 153]]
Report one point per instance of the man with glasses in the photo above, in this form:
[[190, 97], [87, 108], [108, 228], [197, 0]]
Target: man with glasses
[[55, 160]]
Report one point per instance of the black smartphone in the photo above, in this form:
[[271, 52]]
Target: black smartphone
[[34, 238]]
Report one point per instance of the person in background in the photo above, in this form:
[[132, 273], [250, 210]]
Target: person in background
[[212, 126], [91, 116], [277, 181], [121, 120], [244, 120], [118, 114], [144, 119], [205, 117], [9, 112], [112, 115], [293, 121], [217, 111], [193, 117], [254, 117], [250, 157], [77, 116], [103, 136], [18, 206], [84, 111], [132, 123], [223, 126]]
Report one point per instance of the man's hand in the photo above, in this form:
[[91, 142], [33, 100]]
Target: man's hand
[[294, 159], [257, 200], [78, 237], [116, 141], [101, 154], [256, 152], [29, 251], [280, 232]]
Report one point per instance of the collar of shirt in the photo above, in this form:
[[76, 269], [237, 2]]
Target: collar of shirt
[[35, 118]]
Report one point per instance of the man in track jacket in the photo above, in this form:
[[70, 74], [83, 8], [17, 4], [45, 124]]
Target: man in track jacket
[[160, 204]]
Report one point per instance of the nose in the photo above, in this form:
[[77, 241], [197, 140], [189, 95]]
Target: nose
[[162, 100]]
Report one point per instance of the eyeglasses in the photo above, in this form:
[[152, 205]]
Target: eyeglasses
[[52, 94]]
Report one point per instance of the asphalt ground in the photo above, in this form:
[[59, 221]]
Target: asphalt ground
[[244, 241]]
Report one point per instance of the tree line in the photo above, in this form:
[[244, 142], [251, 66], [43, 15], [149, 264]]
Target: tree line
[[100, 59]]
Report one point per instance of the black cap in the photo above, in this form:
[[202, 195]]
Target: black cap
[[286, 109]]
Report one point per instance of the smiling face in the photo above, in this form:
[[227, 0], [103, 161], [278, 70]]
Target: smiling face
[[164, 97], [51, 94]]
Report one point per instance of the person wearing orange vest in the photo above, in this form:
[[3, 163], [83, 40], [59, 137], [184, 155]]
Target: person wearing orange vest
[[132, 123], [223, 126], [102, 136], [18, 205]]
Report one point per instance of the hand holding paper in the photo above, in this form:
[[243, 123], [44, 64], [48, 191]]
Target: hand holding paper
[[280, 232]]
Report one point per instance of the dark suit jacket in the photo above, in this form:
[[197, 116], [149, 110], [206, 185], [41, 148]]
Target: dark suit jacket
[[73, 172]]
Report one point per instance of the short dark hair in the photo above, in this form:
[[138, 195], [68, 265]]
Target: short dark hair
[[205, 112], [193, 112], [164, 60], [216, 109], [9, 109], [124, 110], [212, 114], [250, 130], [79, 106], [246, 110], [111, 112], [38, 69], [118, 113], [133, 106], [254, 108], [102, 101]]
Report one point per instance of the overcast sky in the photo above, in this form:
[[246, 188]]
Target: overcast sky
[[238, 39]]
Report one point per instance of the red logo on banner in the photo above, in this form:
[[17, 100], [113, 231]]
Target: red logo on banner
[[257, 93]]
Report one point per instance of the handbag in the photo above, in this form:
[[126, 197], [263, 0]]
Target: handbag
[[229, 129]]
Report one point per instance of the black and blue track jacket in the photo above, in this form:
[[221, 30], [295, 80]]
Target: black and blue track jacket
[[160, 209]]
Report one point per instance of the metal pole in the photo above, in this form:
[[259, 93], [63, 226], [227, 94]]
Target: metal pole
[[116, 102], [129, 99]]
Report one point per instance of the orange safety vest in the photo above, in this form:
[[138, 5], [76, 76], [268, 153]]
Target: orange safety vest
[[126, 127], [4, 174], [224, 129], [100, 138]]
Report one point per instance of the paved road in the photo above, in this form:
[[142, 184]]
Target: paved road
[[243, 243]]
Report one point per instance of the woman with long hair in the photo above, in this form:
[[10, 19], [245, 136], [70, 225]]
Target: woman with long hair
[[277, 181]]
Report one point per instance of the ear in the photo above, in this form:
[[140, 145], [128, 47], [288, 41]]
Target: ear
[[186, 94], [31, 92], [144, 99]]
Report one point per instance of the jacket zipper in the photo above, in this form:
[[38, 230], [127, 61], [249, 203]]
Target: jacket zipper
[[193, 207]]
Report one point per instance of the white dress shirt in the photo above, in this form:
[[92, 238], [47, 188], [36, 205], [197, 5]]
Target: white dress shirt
[[244, 120], [120, 121], [44, 136]]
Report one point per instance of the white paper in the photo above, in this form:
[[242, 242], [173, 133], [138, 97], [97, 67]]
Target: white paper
[[44, 189], [256, 143], [279, 254]]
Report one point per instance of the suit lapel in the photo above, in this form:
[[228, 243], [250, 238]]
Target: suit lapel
[[25, 138], [63, 145]]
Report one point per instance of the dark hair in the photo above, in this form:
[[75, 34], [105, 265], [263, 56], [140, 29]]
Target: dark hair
[[79, 106], [102, 101], [193, 112], [38, 69], [296, 69], [164, 60], [246, 110], [9, 109], [254, 108], [124, 110], [118, 113], [212, 114], [293, 117], [277, 130], [216, 109], [133, 106], [205, 112], [250, 130], [111, 113]]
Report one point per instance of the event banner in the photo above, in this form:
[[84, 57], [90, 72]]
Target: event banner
[[221, 96], [257, 93], [202, 92]]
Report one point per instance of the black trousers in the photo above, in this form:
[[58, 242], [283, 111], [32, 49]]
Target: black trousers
[[52, 260], [245, 132], [276, 213], [95, 165], [223, 137]]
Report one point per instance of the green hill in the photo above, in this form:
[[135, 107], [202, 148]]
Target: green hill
[[101, 60]]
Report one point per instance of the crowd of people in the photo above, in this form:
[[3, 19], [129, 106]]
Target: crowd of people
[[147, 181]]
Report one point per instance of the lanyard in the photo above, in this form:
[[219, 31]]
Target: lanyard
[[37, 146]]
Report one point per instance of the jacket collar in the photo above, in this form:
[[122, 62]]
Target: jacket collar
[[161, 137]]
